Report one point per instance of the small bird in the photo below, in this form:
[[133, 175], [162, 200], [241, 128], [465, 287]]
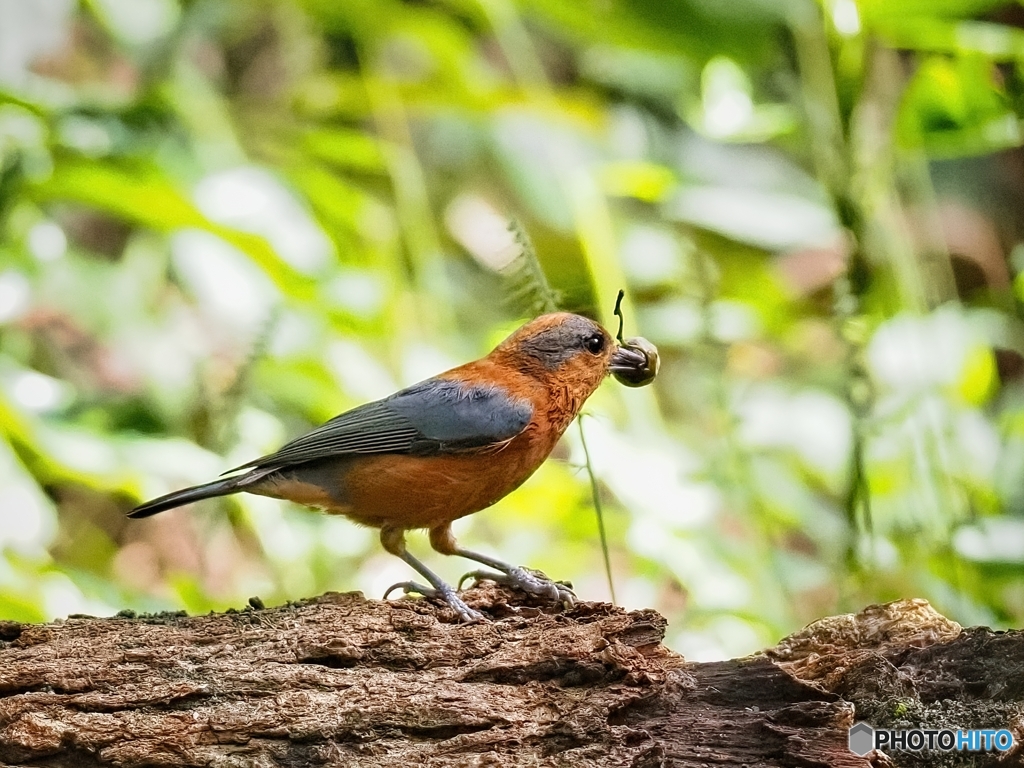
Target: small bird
[[446, 447]]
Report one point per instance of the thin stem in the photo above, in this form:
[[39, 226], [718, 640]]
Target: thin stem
[[595, 493]]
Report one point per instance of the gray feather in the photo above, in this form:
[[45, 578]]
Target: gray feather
[[432, 417]]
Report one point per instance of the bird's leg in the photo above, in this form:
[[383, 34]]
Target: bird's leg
[[529, 581], [393, 540]]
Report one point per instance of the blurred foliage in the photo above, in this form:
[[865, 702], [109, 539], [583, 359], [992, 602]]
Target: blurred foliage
[[224, 221]]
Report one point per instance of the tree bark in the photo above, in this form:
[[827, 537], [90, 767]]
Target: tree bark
[[343, 681]]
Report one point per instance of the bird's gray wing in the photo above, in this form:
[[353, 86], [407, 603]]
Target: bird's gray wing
[[433, 417]]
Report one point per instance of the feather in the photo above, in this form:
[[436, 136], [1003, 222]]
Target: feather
[[432, 417]]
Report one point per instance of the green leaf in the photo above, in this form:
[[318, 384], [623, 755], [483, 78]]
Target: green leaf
[[142, 195], [350, 149], [919, 10], [956, 107]]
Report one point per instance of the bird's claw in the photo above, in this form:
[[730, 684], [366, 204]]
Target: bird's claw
[[466, 614], [529, 581], [410, 587]]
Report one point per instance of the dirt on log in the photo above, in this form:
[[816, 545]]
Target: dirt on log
[[343, 681]]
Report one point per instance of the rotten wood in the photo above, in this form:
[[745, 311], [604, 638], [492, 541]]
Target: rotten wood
[[344, 681]]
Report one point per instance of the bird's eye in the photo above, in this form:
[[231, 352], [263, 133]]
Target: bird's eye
[[594, 344]]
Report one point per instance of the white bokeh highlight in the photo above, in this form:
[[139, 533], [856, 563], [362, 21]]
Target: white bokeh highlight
[[252, 199]]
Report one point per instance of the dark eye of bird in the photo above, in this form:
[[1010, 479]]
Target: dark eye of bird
[[594, 344]]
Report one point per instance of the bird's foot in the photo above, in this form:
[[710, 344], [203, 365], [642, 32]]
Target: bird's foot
[[446, 594], [530, 581]]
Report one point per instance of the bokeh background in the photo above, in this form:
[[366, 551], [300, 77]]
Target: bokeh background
[[224, 221]]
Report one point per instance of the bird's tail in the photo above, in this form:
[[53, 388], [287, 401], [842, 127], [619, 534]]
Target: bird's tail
[[223, 487]]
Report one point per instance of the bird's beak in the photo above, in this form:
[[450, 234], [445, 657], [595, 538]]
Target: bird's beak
[[635, 363]]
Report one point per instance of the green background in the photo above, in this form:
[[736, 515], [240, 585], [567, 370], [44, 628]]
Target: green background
[[223, 222]]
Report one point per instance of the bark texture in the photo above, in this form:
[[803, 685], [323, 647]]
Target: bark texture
[[344, 681]]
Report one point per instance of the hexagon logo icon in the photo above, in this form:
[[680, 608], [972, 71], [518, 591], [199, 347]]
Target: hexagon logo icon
[[861, 739]]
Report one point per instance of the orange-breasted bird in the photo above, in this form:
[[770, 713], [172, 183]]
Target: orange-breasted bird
[[446, 447]]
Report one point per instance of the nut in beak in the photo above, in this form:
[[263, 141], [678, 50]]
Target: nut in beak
[[635, 363]]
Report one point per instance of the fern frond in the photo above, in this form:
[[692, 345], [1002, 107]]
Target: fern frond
[[528, 287]]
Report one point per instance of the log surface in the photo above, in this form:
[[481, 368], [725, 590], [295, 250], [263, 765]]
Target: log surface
[[343, 681]]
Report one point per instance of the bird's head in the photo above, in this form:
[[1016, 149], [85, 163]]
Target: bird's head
[[572, 349]]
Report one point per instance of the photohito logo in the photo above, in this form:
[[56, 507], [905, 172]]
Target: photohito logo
[[863, 738]]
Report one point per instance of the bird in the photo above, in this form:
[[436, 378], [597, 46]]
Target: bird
[[444, 448]]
